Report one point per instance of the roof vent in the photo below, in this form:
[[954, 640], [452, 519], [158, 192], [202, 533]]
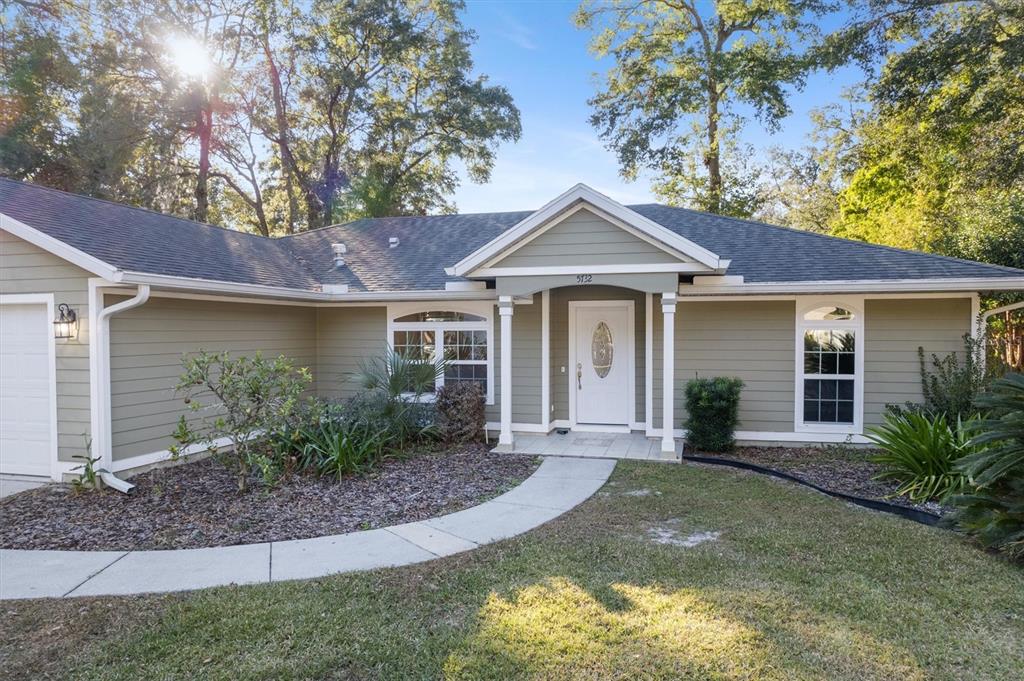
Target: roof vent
[[393, 242], [339, 254]]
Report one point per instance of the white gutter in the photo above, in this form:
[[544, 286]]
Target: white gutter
[[102, 437], [858, 286]]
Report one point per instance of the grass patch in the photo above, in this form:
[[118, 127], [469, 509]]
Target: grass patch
[[794, 586]]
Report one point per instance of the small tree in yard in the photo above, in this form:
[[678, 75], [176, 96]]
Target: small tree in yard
[[240, 399]]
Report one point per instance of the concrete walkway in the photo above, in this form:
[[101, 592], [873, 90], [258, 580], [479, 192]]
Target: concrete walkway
[[557, 486]]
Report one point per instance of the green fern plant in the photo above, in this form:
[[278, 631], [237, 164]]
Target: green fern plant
[[920, 453], [993, 510]]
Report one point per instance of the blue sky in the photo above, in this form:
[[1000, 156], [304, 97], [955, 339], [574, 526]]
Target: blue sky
[[534, 50]]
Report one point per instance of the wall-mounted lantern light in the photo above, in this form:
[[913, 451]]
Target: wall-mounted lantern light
[[66, 323]]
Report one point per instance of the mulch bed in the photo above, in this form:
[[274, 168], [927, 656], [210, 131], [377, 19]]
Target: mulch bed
[[839, 469], [197, 504]]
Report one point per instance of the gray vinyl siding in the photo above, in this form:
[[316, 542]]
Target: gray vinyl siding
[[560, 298], [584, 239], [750, 340], [26, 268], [346, 338], [147, 345], [893, 331]]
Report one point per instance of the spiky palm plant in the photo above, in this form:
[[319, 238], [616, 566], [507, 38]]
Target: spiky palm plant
[[993, 510]]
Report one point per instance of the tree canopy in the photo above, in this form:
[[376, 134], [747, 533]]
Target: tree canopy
[[270, 115], [681, 70]]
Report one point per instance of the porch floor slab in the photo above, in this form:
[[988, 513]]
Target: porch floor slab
[[589, 445]]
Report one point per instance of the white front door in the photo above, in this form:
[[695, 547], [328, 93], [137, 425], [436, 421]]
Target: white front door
[[602, 369], [25, 417]]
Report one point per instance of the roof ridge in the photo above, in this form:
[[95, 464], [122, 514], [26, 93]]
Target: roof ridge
[[832, 237], [131, 207]]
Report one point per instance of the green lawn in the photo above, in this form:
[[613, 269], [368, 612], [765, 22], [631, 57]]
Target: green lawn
[[796, 586]]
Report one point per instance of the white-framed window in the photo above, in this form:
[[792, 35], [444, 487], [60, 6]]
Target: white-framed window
[[460, 333], [829, 366]]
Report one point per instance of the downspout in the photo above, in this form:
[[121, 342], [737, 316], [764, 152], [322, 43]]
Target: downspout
[[102, 440]]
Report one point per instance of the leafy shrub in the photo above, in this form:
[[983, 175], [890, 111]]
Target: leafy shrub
[[920, 452], [993, 509], [712, 405], [953, 386], [241, 399], [460, 412], [395, 385], [340, 447]]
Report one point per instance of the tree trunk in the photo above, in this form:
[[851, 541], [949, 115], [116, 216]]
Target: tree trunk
[[283, 135], [712, 158], [204, 133]]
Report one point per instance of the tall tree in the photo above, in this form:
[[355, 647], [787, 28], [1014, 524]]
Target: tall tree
[[383, 92], [268, 115], [947, 125], [681, 67]]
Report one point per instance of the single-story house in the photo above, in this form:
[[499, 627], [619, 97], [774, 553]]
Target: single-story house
[[584, 314]]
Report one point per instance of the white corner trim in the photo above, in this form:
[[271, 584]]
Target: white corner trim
[[58, 247], [565, 201]]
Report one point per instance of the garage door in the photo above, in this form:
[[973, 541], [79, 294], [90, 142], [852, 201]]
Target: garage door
[[25, 419]]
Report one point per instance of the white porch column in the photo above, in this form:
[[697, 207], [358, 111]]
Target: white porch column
[[668, 418], [505, 311]]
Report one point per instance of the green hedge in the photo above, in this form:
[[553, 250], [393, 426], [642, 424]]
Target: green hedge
[[712, 407]]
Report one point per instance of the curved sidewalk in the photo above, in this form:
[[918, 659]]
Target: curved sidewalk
[[556, 486]]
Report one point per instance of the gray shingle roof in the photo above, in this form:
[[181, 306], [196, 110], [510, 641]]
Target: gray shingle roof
[[140, 240]]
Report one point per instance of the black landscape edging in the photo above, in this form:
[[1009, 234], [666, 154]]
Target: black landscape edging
[[917, 515]]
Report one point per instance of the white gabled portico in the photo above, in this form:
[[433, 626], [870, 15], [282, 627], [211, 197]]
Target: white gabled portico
[[585, 240]]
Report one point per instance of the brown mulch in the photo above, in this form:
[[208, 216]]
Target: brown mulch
[[197, 504], [838, 469]]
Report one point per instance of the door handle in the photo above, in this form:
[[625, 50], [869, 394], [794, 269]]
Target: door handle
[[579, 376]]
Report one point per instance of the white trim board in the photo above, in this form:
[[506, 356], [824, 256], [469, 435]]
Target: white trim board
[[854, 286], [57, 247]]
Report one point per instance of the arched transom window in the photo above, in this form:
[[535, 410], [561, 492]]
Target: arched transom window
[[461, 337]]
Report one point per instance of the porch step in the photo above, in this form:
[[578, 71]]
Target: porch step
[[592, 446]]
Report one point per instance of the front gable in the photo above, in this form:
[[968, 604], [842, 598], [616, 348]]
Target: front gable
[[583, 230], [584, 238]]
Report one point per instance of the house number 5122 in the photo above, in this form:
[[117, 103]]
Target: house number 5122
[[584, 278]]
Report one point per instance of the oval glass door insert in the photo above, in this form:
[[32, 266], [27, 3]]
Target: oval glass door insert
[[602, 350]]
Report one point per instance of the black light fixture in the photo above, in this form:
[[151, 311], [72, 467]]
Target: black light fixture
[[66, 324]]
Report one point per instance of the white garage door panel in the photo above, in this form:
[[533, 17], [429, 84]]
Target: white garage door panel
[[25, 385]]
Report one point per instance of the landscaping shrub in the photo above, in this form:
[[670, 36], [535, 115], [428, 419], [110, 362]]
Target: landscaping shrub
[[920, 452], [712, 406], [338, 447], [952, 386], [240, 399], [460, 412], [395, 385], [993, 508]]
